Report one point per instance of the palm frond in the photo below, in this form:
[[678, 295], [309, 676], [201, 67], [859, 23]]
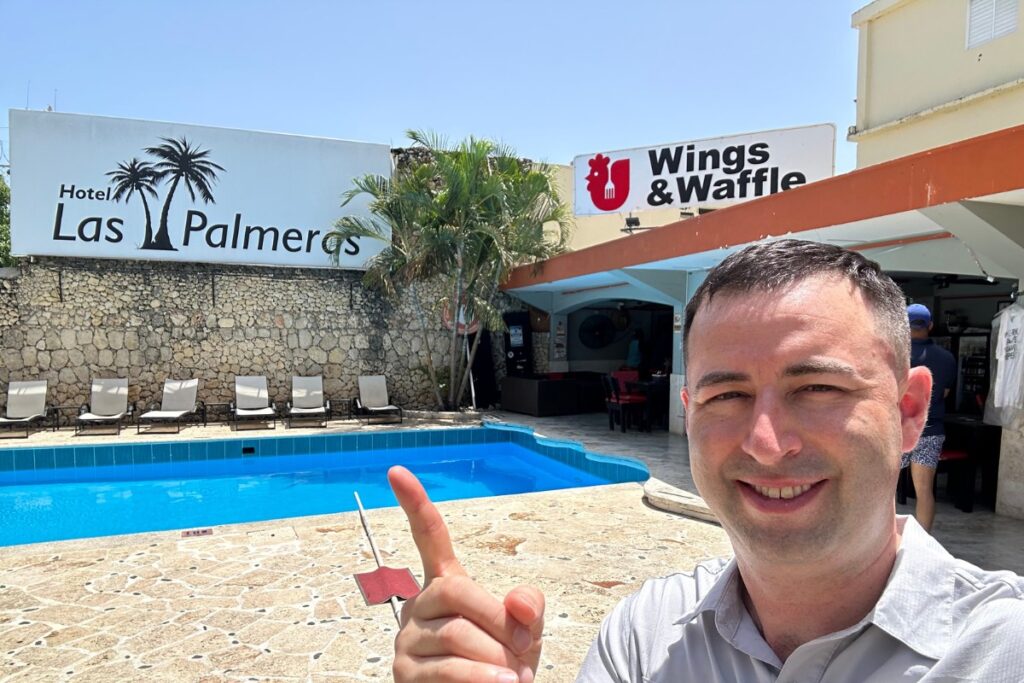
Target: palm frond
[[462, 216], [427, 139], [130, 177], [358, 226], [180, 159]]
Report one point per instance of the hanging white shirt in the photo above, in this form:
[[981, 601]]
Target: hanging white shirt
[[1009, 381]]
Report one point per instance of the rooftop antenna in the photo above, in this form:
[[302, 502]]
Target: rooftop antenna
[[55, 99], [28, 89]]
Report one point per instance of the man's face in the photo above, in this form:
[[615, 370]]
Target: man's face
[[797, 413]]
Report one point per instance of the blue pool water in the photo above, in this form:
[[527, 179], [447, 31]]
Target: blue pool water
[[153, 494]]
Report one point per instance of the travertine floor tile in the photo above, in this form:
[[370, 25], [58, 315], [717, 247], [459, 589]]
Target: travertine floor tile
[[241, 603], [276, 600]]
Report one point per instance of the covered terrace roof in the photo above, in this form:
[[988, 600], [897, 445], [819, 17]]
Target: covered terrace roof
[[956, 209]]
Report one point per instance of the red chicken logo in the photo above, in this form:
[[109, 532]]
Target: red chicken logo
[[608, 190]]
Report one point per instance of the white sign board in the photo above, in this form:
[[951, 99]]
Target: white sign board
[[98, 187], [715, 171]]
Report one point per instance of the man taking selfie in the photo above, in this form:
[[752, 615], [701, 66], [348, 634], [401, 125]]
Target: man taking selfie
[[800, 401]]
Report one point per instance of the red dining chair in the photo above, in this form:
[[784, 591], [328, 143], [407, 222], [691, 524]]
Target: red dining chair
[[622, 405], [960, 473], [624, 377]]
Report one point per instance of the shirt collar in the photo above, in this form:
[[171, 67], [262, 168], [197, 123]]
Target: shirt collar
[[723, 596], [732, 620], [915, 606]]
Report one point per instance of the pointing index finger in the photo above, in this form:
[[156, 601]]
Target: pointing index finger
[[428, 528]]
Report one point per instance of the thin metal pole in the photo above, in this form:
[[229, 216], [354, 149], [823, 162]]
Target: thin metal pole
[[472, 381], [376, 555]]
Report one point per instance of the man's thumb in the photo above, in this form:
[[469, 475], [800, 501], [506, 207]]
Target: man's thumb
[[526, 605]]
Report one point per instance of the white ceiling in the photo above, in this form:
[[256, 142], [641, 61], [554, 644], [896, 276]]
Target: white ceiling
[[947, 255]]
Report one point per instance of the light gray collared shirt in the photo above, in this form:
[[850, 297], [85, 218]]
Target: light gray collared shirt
[[939, 620]]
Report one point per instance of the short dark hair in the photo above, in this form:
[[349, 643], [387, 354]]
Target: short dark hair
[[772, 266]]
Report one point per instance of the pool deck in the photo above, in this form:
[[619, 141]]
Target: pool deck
[[276, 600]]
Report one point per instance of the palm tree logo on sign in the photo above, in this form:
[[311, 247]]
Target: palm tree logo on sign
[[177, 161]]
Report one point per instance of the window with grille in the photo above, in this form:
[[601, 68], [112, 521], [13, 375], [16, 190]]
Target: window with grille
[[990, 19]]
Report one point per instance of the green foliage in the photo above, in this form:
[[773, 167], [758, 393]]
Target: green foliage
[[465, 216], [424, 373], [5, 224]]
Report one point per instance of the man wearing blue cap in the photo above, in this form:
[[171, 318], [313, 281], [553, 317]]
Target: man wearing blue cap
[[924, 459]]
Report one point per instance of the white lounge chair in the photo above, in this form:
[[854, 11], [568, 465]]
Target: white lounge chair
[[252, 401], [373, 398], [178, 402], [26, 405], [308, 401], [108, 405]]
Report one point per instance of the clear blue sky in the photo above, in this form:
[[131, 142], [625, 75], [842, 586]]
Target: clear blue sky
[[553, 79]]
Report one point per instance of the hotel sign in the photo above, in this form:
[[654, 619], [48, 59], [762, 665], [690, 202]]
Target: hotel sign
[[715, 171], [98, 187]]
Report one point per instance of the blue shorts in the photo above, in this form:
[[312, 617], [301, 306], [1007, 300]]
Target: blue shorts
[[926, 453]]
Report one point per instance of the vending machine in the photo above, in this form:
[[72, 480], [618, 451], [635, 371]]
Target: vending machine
[[518, 344]]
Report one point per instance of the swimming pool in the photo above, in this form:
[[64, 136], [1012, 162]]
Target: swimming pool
[[70, 492]]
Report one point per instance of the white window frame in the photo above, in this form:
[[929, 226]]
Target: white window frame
[[1012, 5]]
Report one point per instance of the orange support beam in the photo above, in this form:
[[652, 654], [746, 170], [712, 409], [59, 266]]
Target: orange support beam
[[985, 165]]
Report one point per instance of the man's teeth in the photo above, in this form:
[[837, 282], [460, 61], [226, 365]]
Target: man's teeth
[[784, 492]]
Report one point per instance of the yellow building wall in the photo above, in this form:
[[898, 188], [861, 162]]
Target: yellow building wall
[[973, 119], [913, 59]]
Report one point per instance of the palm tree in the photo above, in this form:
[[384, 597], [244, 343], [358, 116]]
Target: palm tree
[[131, 177], [182, 161], [396, 206], [464, 218], [530, 224]]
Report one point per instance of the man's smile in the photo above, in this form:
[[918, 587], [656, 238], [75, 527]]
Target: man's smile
[[780, 496], [784, 492]]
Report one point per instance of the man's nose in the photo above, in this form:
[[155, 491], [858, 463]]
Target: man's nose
[[771, 435]]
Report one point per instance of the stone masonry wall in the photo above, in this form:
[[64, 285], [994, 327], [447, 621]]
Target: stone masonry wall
[[541, 346], [69, 320]]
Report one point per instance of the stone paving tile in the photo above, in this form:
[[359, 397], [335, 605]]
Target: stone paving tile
[[982, 537], [231, 606], [276, 600]]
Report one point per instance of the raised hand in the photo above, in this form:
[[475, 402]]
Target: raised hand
[[454, 630]]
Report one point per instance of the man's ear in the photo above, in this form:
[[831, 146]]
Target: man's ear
[[685, 395], [914, 405]]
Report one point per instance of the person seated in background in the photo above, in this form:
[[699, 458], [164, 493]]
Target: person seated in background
[[635, 353]]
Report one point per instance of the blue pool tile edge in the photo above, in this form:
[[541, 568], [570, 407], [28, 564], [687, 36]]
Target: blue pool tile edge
[[86, 462], [618, 468]]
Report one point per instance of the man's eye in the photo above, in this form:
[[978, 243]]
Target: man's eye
[[820, 388], [725, 396]]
